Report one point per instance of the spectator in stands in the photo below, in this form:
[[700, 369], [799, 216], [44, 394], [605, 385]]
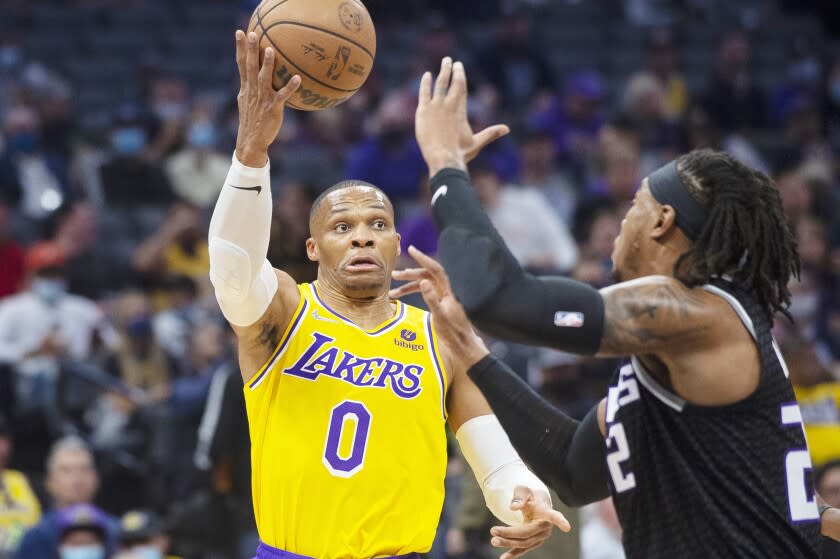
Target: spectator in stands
[[44, 328], [540, 242], [539, 171], [94, 267], [643, 105], [82, 533], [40, 177], [198, 171], [290, 229], [616, 186], [827, 483], [11, 253], [19, 507], [179, 247], [733, 99], [802, 77], [390, 158], [181, 314], [142, 536], [797, 197], [129, 179], [574, 119], [71, 481], [515, 63], [662, 63], [595, 264], [169, 103], [418, 228]]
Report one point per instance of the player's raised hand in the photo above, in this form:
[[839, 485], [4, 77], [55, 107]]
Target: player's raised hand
[[443, 131], [260, 106], [451, 323], [539, 519]]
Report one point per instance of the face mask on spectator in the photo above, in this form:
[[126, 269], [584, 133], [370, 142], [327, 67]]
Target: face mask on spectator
[[24, 142], [129, 141], [10, 56], [83, 552], [49, 290], [147, 552], [202, 135]]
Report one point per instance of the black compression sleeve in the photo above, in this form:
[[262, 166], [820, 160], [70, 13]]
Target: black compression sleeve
[[498, 295], [570, 456]]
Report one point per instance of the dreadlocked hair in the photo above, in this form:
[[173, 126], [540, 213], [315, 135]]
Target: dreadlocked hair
[[746, 234]]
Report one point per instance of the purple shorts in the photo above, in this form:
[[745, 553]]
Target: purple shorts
[[268, 552]]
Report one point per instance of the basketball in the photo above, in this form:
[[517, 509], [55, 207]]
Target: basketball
[[331, 44]]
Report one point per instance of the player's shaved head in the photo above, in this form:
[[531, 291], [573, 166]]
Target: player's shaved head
[[318, 205]]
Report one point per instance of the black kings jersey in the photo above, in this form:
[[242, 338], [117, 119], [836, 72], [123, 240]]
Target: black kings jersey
[[712, 482]]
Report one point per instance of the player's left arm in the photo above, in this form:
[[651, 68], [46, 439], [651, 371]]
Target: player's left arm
[[511, 491]]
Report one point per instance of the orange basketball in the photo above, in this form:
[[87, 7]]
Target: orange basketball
[[331, 44]]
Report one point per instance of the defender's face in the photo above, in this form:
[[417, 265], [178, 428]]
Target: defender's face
[[355, 241], [631, 238]]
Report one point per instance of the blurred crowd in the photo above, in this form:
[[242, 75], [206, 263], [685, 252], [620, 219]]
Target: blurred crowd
[[123, 431]]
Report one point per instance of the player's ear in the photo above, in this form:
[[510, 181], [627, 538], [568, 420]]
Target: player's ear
[[666, 220], [312, 249]]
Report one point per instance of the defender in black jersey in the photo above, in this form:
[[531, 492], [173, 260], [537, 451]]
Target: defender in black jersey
[[699, 439]]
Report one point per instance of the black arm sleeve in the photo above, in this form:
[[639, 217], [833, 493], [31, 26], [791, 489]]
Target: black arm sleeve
[[500, 298], [568, 455]]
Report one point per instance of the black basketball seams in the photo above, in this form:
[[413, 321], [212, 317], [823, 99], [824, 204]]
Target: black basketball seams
[[299, 69], [333, 33]]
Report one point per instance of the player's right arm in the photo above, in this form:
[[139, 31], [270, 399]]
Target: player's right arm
[[256, 299]]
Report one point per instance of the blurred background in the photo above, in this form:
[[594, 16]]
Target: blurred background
[[119, 386]]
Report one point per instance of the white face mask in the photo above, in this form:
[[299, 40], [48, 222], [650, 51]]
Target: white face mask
[[49, 290], [147, 552], [83, 552]]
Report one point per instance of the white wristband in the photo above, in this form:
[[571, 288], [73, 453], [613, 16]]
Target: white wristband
[[496, 466]]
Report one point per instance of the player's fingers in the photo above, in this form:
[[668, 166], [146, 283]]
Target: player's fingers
[[241, 55], [458, 91], [521, 531], [409, 274], [445, 75], [514, 553], [428, 263], [289, 89], [425, 93], [489, 135], [525, 543], [521, 495], [252, 59], [266, 70], [430, 295], [540, 511], [405, 289]]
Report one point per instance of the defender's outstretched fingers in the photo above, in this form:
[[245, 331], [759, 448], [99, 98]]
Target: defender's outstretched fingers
[[266, 74], [409, 274], [514, 553], [289, 89], [252, 59], [241, 56], [425, 93], [458, 90], [442, 82], [429, 264], [525, 543], [403, 290]]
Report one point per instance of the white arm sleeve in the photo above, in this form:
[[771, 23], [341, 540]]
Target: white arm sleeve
[[496, 466], [244, 281]]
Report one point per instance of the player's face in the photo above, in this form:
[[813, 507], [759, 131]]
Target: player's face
[[355, 242], [630, 244]]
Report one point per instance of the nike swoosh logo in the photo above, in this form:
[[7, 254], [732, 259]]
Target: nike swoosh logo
[[257, 189], [439, 192], [317, 316]]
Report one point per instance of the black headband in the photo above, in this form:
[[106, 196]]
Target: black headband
[[668, 188]]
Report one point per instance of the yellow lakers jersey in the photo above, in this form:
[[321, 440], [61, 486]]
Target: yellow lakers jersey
[[348, 441]]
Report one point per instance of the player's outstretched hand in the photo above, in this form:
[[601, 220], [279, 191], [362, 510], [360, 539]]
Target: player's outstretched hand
[[451, 323], [260, 106], [443, 131], [539, 520]]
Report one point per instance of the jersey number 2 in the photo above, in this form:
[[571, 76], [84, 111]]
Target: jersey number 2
[[803, 503], [347, 466]]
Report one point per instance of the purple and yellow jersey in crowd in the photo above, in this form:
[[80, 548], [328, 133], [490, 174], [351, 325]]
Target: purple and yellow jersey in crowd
[[348, 444]]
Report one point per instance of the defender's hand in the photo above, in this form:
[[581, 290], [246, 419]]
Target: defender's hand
[[453, 327], [260, 107], [539, 519], [441, 126]]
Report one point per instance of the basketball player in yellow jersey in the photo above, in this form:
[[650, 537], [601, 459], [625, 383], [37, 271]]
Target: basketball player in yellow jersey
[[347, 392]]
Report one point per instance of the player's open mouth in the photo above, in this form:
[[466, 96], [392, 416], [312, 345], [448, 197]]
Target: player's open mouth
[[363, 264]]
